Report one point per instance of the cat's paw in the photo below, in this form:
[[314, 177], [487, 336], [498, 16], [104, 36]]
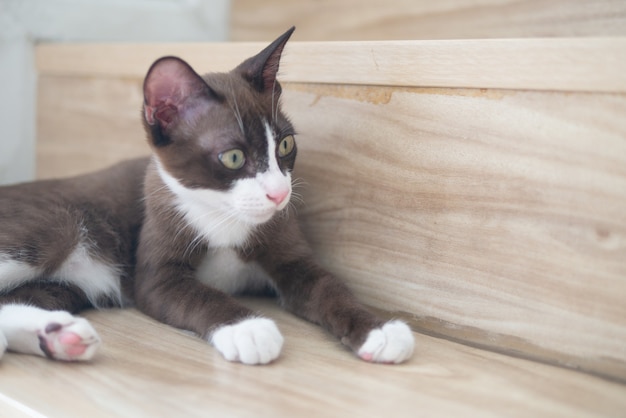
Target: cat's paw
[[391, 343], [251, 341], [68, 338]]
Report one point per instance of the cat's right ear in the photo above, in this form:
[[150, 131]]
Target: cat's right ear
[[174, 92]]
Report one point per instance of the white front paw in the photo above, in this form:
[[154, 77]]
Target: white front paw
[[392, 343], [251, 341]]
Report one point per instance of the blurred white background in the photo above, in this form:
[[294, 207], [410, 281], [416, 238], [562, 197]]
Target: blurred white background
[[23, 23]]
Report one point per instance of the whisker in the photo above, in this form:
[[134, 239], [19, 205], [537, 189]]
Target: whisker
[[296, 198], [201, 236], [299, 182], [291, 207], [181, 225], [236, 110], [296, 185], [154, 192], [193, 244], [275, 106]]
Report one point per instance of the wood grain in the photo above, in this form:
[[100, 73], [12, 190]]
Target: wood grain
[[328, 20], [588, 64], [496, 217], [491, 216], [146, 369], [87, 124]]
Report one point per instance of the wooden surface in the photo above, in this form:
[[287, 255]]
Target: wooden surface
[[589, 64], [87, 123], [493, 216], [146, 369], [329, 20]]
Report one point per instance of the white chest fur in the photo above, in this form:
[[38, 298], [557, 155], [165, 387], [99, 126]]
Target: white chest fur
[[209, 212], [224, 270]]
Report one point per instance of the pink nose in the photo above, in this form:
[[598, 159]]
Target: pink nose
[[278, 196]]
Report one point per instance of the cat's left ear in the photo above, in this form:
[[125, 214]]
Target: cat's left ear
[[261, 70]]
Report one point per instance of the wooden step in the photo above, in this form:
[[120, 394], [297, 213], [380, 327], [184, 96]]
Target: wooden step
[[476, 187], [146, 369]]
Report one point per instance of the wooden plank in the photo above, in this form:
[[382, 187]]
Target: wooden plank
[[87, 124], [147, 369], [493, 217], [588, 64], [328, 20], [15, 409]]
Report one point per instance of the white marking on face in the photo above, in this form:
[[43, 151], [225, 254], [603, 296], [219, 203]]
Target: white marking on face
[[271, 148], [277, 185], [211, 213], [227, 218]]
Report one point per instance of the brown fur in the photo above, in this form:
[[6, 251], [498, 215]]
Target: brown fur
[[42, 221]]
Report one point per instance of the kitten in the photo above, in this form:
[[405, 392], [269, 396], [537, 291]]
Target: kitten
[[213, 220]]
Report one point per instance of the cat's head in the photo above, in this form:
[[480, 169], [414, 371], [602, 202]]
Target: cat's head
[[221, 139]]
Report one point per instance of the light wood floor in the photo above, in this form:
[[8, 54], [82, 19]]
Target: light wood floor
[[146, 369]]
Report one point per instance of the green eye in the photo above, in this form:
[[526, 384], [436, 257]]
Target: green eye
[[233, 159], [286, 146]]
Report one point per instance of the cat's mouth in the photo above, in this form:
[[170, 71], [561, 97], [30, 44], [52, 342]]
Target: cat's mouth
[[262, 213]]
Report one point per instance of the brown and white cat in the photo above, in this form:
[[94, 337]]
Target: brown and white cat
[[206, 217]]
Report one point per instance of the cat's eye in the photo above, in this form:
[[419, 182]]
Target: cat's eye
[[233, 159], [286, 146]]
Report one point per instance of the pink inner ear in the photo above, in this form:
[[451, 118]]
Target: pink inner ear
[[162, 112], [169, 84], [166, 113]]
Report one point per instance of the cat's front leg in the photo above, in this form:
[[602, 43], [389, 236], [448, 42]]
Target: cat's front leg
[[309, 291], [172, 296]]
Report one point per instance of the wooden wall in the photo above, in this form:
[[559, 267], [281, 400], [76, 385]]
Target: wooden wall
[[332, 20], [481, 203]]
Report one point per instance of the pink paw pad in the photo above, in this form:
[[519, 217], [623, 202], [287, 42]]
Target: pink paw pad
[[61, 344], [390, 344], [72, 343], [367, 356]]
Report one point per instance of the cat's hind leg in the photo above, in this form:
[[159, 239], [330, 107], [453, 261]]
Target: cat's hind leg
[[34, 319], [57, 335]]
